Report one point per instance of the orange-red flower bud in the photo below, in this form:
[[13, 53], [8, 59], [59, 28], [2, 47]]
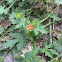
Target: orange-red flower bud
[[29, 27]]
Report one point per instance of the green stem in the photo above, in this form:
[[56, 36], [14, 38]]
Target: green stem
[[47, 7], [55, 58], [50, 31], [3, 35], [1, 2], [53, 27], [34, 44], [46, 17], [12, 4], [47, 24], [2, 57], [1, 39]]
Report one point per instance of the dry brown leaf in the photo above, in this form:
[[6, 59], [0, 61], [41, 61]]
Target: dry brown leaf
[[56, 10], [41, 43], [56, 3], [4, 39], [61, 59], [40, 5], [58, 32], [5, 24], [59, 28], [43, 59], [29, 47], [50, 9], [37, 43], [26, 49]]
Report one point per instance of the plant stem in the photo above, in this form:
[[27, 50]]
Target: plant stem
[[55, 58], [1, 2], [53, 27], [12, 4], [28, 13], [50, 31], [1, 39], [47, 7], [46, 17], [47, 24], [34, 44], [3, 35]]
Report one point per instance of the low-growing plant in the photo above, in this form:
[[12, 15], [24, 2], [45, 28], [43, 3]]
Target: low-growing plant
[[48, 50], [27, 25], [29, 56]]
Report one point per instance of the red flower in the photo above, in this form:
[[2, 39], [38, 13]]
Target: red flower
[[29, 27]]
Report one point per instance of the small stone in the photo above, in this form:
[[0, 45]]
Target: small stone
[[9, 58]]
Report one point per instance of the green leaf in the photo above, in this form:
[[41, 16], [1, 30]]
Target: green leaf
[[21, 4], [6, 10], [38, 29], [35, 60], [28, 56], [10, 29], [20, 45], [17, 53], [55, 17], [48, 46], [9, 1], [48, 1], [1, 29], [58, 45], [16, 35], [48, 50], [12, 18], [34, 22], [31, 1], [48, 54], [35, 51], [0, 45], [58, 1], [52, 50], [19, 15], [1, 10], [43, 0], [12, 15], [10, 43], [21, 23], [23, 11], [57, 61]]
